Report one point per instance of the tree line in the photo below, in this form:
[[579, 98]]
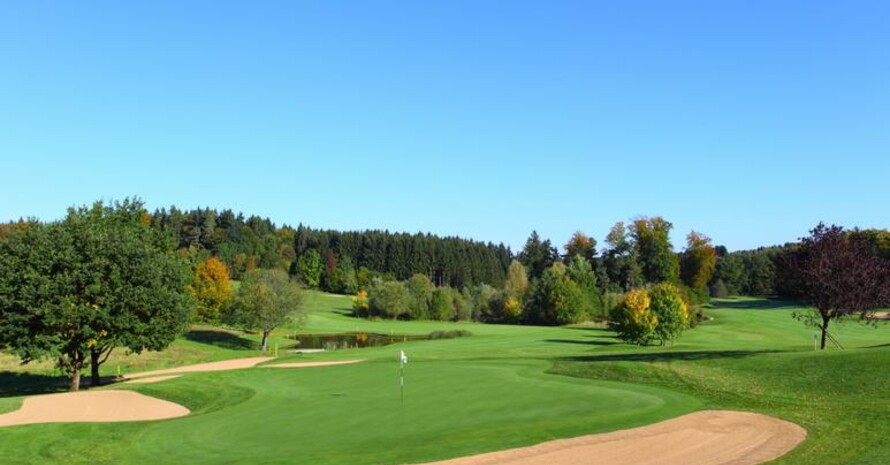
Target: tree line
[[547, 286], [336, 261]]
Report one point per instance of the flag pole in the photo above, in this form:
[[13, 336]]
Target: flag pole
[[403, 359]]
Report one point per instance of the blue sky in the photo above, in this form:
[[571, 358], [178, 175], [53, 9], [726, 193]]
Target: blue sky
[[749, 121]]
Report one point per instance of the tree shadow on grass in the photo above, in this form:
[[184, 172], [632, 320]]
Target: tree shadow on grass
[[581, 342], [13, 384], [653, 357], [759, 304], [221, 339]]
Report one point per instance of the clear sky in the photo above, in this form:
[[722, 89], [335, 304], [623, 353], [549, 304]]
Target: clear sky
[[749, 121]]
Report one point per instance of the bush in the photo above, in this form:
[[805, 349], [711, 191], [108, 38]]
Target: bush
[[670, 310], [388, 299], [454, 333], [632, 320], [360, 304]]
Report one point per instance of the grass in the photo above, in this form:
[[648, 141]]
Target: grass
[[502, 387]]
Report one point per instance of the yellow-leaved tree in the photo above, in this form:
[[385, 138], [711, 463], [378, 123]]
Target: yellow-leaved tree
[[633, 320], [211, 288]]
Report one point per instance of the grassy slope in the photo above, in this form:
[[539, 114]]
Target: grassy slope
[[490, 391], [762, 360]]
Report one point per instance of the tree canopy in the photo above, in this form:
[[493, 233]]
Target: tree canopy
[[267, 299], [837, 273], [99, 279]]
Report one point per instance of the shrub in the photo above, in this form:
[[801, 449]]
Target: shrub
[[388, 299], [632, 320], [670, 310], [454, 333], [360, 303]]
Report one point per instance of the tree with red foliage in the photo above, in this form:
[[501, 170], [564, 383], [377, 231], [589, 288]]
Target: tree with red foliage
[[838, 274]]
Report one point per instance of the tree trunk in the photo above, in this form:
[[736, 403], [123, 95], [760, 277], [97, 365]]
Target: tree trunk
[[94, 368], [265, 339], [824, 328], [73, 367], [74, 381]]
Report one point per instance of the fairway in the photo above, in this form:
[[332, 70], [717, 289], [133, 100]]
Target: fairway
[[502, 387]]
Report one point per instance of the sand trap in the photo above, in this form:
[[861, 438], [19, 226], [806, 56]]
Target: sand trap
[[235, 364], [92, 406], [156, 379], [879, 316], [701, 438], [312, 364]]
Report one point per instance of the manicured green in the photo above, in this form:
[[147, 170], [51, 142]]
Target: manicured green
[[504, 386]]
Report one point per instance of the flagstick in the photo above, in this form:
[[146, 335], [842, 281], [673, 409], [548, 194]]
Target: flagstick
[[402, 381]]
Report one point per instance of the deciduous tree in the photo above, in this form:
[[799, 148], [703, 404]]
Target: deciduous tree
[[310, 268], [211, 287], [266, 300], [698, 263], [556, 299], [651, 238], [633, 320], [672, 313], [99, 279], [580, 245], [836, 273]]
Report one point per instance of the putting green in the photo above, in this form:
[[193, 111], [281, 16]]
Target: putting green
[[353, 414]]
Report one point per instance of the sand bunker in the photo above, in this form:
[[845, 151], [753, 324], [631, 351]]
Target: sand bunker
[[92, 406], [312, 364], [156, 379], [235, 364], [701, 438]]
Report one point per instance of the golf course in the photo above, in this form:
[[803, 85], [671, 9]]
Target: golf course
[[496, 387]]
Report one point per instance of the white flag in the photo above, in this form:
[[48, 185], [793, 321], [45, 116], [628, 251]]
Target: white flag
[[404, 358]]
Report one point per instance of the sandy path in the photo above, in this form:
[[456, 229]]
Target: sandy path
[[700, 438], [235, 364], [312, 364], [92, 406]]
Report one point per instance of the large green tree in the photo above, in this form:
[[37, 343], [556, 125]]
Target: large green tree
[[621, 260], [100, 279], [266, 300], [697, 264], [656, 253], [556, 299], [579, 270], [310, 268]]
